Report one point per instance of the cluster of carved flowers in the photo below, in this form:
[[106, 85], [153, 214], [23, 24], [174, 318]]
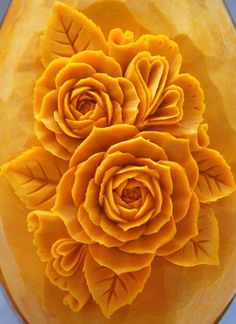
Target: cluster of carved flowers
[[124, 173]]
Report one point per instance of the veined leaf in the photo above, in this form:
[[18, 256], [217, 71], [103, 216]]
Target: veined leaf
[[34, 176], [215, 178], [111, 291], [69, 32], [203, 248]]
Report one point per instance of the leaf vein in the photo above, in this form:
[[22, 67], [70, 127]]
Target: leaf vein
[[67, 29]]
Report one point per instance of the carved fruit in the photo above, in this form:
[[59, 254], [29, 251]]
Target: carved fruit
[[115, 201]]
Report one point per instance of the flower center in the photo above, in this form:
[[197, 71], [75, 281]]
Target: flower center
[[85, 105], [131, 194]]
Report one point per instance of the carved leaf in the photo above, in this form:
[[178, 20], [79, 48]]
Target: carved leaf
[[69, 32], [215, 178], [203, 248], [112, 291], [34, 176]]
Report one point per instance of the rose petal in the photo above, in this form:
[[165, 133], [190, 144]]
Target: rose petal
[[95, 141], [47, 229], [139, 147], [83, 174], [73, 72], [46, 82], [149, 75], [155, 224], [177, 150], [130, 101], [116, 159], [185, 229], [49, 105], [49, 141], [99, 62], [150, 243], [123, 47], [95, 232], [67, 210], [181, 194], [119, 261]]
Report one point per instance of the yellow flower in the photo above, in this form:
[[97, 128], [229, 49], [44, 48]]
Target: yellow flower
[[73, 95], [130, 81], [125, 180], [122, 202]]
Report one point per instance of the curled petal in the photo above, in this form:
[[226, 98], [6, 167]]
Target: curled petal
[[123, 47], [74, 286], [67, 142], [142, 216], [92, 202], [111, 86], [62, 254], [47, 229], [200, 139], [193, 106], [68, 256], [109, 226]]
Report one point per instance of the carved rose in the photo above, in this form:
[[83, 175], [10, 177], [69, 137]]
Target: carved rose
[[122, 202], [73, 95], [125, 173], [131, 81]]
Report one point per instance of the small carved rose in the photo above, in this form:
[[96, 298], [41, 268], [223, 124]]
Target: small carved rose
[[89, 82], [75, 94]]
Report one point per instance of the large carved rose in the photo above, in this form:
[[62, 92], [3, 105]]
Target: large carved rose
[[129, 194], [122, 202]]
